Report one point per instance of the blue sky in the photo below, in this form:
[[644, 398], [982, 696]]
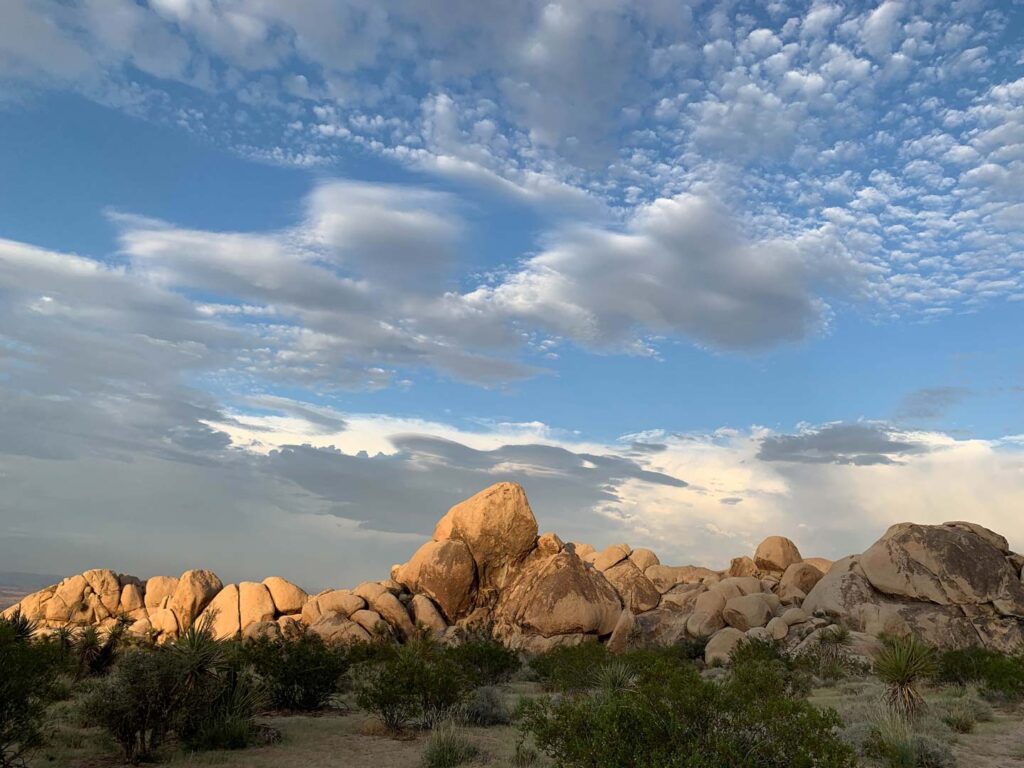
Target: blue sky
[[691, 272]]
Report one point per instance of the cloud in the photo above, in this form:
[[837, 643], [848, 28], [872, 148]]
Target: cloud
[[856, 444], [682, 268], [931, 402]]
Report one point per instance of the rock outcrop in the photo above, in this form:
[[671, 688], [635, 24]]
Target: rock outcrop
[[954, 585]]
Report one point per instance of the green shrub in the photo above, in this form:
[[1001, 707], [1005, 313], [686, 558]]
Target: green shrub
[[902, 663], [569, 668], [227, 719], [762, 662], [486, 707], [671, 717], [416, 682], [300, 673], [28, 670], [137, 703], [484, 660], [1000, 675], [447, 748]]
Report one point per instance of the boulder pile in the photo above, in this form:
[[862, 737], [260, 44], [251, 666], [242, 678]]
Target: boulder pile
[[955, 584]]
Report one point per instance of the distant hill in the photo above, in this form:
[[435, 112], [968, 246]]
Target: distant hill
[[14, 585]]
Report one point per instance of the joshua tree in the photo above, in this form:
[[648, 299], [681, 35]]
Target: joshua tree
[[901, 664]]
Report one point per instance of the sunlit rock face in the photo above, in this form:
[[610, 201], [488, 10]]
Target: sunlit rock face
[[953, 585]]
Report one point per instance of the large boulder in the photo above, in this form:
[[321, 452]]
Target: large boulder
[[342, 631], [747, 611], [944, 564], [159, 591], [559, 595], [644, 558], [426, 615], [720, 646], [222, 614], [611, 556], [776, 553], [331, 602], [106, 586], [195, 589], [665, 577], [499, 528], [287, 597], [255, 605], [802, 576], [445, 571], [637, 592]]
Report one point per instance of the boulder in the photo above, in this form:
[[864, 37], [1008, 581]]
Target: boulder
[[821, 563], [368, 620], [222, 613], [559, 595], [159, 590], [445, 571], [643, 558], [622, 635], [991, 537], [721, 645], [742, 566], [164, 621], [131, 600], [580, 549], [287, 597], [684, 596], [369, 590], [795, 616], [68, 600], [777, 628], [746, 612], [335, 629], [612, 555], [394, 613], [499, 528], [261, 629], [666, 625], [335, 601], [426, 614], [776, 553], [801, 575], [106, 586], [636, 591], [759, 633], [665, 577], [549, 543], [255, 606], [744, 585], [943, 564], [196, 588]]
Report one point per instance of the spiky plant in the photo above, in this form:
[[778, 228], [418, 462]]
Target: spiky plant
[[22, 627], [831, 654], [200, 654], [615, 677], [901, 664], [86, 646]]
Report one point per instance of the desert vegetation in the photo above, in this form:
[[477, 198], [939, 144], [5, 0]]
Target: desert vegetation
[[78, 698]]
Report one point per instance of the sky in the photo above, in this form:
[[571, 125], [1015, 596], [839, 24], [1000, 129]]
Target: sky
[[282, 281]]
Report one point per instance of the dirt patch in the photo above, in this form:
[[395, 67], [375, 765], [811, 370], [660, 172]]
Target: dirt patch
[[998, 744]]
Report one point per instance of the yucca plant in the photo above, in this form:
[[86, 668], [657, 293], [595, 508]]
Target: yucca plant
[[615, 677], [22, 627], [901, 664], [200, 655]]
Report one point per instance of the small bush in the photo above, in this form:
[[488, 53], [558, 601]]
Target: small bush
[[484, 660], [672, 717], [761, 662], [1000, 675], [569, 668], [137, 702], [416, 682], [228, 718], [27, 674], [300, 673], [486, 707], [447, 748]]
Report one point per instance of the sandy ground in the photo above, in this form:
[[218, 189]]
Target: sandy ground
[[999, 744]]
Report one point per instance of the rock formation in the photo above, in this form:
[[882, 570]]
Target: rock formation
[[954, 585]]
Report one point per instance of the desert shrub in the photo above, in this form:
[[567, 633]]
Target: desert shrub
[[29, 670], [1000, 675], [137, 703], [901, 664], [569, 668], [300, 673], [486, 707], [671, 717], [484, 660], [416, 682], [829, 657], [760, 662], [227, 719], [447, 748], [524, 755]]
